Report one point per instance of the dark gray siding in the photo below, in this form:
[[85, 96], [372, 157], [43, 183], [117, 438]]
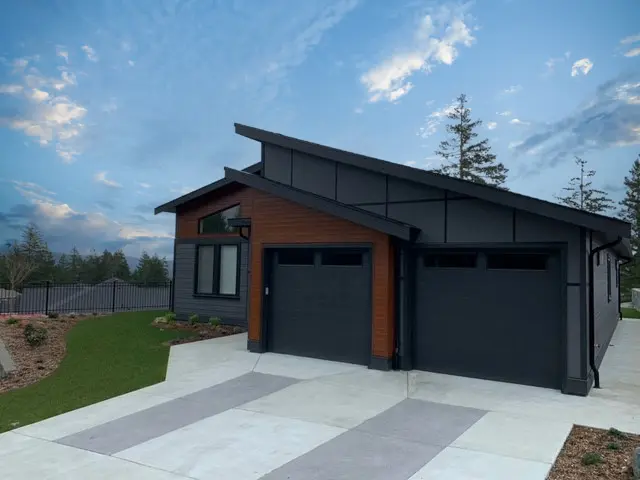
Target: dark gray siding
[[401, 191], [231, 311], [356, 185], [428, 216], [277, 163], [606, 310], [314, 174], [477, 221]]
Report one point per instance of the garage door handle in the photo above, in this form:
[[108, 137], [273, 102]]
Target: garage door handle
[[266, 290]]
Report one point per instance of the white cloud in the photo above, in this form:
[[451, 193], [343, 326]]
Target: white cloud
[[144, 185], [517, 121], [435, 119], [629, 93], [38, 95], [110, 107], [131, 63], [181, 190], [506, 113], [11, 89], [492, 125], [33, 191], [62, 52], [634, 52], [90, 52], [434, 42], [515, 144], [512, 89], [410, 163], [101, 177], [630, 39], [582, 66], [552, 62]]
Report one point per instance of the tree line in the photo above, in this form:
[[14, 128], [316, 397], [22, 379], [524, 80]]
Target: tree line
[[469, 159], [29, 260]]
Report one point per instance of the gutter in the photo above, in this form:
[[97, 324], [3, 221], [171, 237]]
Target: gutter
[[592, 315]]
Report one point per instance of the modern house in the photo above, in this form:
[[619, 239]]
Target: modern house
[[325, 253]]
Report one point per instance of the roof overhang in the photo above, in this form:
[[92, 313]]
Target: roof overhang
[[361, 217], [170, 207], [601, 223]]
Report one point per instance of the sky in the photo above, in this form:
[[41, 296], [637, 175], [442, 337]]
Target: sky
[[110, 108]]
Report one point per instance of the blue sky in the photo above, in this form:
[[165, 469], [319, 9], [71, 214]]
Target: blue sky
[[110, 108]]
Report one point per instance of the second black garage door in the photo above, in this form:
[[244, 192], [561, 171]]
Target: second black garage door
[[319, 303], [492, 314]]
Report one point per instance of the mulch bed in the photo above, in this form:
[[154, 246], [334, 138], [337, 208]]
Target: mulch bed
[[614, 448], [33, 363], [202, 331]]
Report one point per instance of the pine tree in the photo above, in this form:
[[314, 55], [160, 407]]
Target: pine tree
[[35, 248], [76, 264], [582, 195], [121, 268], [151, 269], [468, 160], [63, 272], [630, 212]]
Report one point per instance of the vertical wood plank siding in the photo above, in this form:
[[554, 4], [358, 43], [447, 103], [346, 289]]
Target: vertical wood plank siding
[[278, 221]]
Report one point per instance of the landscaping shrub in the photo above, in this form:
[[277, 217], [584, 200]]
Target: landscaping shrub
[[613, 446], [12, 321], [591, 458], [194, 319], [214, 321], [170, 317], [35, 335], [614, 432], [53, 315]]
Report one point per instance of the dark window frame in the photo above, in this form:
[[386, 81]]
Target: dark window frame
[[609, 295], [516, 255], [233, 231], [216, 271]]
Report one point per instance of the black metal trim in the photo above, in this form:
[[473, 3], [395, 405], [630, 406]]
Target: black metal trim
[[216, 213], [576, 386], [380, 363], [326, 205], [484, 192], [406, 202], [170, 207], [255, 346], [490, 246], [262, 160], [216, 271], [227, 240], [239, 222]]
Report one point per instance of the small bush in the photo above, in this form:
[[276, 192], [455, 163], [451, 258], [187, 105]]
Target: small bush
[[35, 335], [613, 446], [214, 321], [12, 321], [170, 317], [194, 319], [614, 432], [95, 314], [53, 314], [591, 458]]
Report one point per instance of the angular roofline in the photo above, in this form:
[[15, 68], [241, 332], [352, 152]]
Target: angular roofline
[[170, 207], [356, 215], [496, 195]]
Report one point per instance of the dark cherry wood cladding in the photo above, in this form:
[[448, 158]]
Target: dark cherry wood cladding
[[278, 221]]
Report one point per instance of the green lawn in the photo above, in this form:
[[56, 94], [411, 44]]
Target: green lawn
[[106, 357], [630, 313]]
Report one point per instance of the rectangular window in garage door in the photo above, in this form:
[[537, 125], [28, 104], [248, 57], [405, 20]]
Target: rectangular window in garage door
[[451, 260], [517, 261]]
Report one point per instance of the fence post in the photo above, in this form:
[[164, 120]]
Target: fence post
[[113, 299], [46, 299], [171, 293]]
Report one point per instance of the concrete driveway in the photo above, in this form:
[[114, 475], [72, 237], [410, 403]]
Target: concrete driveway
[[224, 413]]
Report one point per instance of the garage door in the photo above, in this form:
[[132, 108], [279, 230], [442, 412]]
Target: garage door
[[320, 304], [493, 315]]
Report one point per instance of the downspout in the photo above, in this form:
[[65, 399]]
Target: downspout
[[592, 315]]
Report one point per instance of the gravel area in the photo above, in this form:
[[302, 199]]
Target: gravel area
[[33, 363], [615, 450]]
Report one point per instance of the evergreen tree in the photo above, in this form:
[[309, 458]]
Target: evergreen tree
[[630, 212], [151, 269], [466, 158], [35, 248], [581, 194], [63, 272], [92, 269], [76, 264], [121, 268]]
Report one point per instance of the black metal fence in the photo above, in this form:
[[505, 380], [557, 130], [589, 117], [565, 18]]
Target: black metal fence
[[82, 298]]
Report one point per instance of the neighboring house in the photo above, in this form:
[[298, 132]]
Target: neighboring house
[[330, 254]]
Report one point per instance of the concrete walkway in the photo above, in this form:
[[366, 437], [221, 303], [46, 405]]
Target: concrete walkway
[[225, 413]]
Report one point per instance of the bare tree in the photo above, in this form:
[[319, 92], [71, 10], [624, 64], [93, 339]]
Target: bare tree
[[18, 265]]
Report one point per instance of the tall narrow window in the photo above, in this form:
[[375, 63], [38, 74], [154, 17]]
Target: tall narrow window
[[608, 277], [205, 269], [219, 221], [228, 269]]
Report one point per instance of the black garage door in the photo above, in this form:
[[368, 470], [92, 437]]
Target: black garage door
[[493, 315], [320, 304]]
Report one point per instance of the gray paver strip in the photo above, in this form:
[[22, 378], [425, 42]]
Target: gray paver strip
[[136, 428], [392, 445]]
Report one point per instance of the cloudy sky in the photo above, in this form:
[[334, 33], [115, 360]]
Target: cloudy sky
[[110, 108]]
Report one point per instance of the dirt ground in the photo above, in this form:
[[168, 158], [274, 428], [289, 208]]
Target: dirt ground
[[33, 363], [200, 331], [615, 449]]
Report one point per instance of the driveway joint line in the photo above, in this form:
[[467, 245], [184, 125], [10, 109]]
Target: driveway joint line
[[469, 449]]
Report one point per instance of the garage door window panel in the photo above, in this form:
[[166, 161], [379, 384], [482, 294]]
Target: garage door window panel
[[451, 260], [296, 257], [217, 268], [341, 259], [516, 261]]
